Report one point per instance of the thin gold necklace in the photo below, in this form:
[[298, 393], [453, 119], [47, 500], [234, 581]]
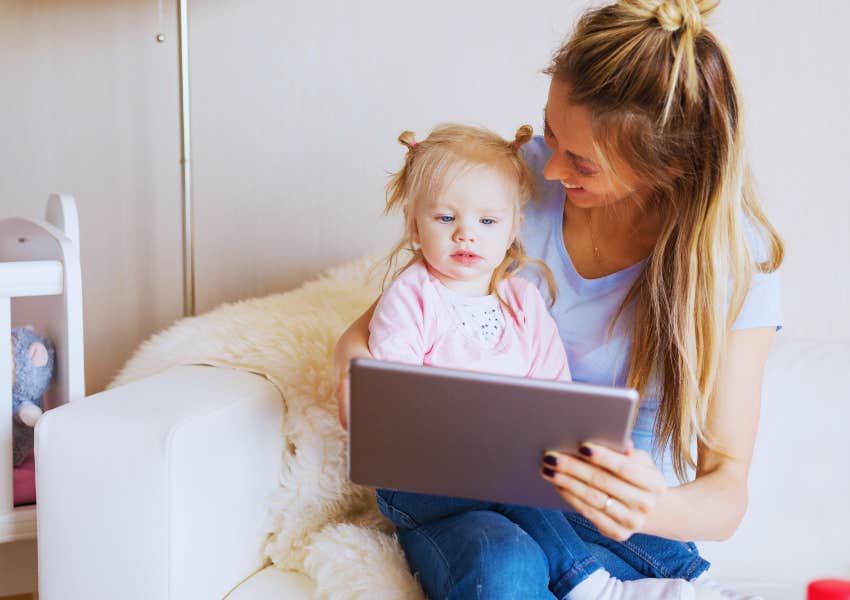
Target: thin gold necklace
[[593, 238]]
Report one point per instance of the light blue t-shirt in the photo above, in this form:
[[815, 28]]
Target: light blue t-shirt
[[584, 308]]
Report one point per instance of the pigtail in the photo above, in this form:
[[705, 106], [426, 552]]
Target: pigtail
[[398, 189], [398, 184], [523, 136], [407, 138]]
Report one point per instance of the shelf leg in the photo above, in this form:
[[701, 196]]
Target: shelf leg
[[6, 481]]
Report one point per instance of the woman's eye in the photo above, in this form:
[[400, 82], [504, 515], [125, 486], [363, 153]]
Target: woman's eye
[[486, 221], [446, 219], [584, 171]]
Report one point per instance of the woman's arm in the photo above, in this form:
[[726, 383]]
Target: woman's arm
[[712, 506], [709, 508], [353, 343]]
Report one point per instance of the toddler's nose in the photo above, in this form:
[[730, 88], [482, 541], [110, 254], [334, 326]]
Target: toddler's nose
[[463, 233], [464, 236]]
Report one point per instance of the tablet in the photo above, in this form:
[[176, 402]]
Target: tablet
[[474, 435]]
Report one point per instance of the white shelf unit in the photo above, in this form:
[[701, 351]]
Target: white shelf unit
[[40, 285]]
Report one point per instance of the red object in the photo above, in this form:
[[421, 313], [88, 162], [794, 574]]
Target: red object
[[829, 589], [24, 481]]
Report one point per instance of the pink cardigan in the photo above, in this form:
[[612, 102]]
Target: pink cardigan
[[414, 323]]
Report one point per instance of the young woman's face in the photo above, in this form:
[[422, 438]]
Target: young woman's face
[[465, 232], [568, 133]]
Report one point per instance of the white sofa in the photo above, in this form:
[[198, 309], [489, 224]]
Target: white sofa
[[156, 490]]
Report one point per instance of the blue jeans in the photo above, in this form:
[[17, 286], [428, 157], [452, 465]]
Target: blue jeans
[[462, 548]]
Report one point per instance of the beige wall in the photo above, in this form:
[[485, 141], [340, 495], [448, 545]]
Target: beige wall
[[295, 110], [89, 108]]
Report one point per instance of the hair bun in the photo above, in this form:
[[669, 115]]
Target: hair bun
[[675, 15]]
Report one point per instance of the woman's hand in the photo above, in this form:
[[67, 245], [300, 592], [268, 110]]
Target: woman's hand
[[616, 492]]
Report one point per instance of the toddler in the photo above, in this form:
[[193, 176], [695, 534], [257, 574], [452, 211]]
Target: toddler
[[458, 303]]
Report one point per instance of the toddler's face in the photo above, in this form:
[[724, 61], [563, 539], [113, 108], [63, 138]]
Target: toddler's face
[[465, 233]]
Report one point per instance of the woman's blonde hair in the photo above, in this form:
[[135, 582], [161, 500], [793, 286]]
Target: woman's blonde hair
[[429, 167], [662, 96]]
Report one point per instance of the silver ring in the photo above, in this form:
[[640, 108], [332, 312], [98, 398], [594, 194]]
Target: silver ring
[[607, 505]]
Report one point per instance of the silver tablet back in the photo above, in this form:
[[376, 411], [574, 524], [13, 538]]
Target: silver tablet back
[[473, 435]]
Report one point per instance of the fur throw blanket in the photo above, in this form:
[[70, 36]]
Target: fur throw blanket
[[319, 523]]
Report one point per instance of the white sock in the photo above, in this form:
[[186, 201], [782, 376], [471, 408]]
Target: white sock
[[707, 588], [601, 586]]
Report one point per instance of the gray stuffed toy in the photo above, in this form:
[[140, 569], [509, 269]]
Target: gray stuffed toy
[[33, 357]]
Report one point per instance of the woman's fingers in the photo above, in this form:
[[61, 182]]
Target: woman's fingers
[[628, 507], [576, 487], [603, 517], [594, 483], [635, 468]]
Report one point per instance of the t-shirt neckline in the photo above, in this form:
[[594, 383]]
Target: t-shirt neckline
[[579, 283], [442, 294]]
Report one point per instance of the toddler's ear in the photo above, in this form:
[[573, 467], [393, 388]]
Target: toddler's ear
[[414, 232]]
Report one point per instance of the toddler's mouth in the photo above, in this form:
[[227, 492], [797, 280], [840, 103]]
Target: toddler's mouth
[[465, 257]]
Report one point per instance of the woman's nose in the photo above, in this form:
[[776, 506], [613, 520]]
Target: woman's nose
[[555, 168]]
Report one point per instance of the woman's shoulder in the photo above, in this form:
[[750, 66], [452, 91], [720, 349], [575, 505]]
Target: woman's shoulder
[[756, 238], [536, 153], [763, 303], [547, 203]]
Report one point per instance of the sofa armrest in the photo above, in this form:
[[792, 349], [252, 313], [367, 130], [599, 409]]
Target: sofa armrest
[[159, 488]]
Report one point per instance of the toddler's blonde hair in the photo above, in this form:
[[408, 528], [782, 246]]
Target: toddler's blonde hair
[[431, 164]]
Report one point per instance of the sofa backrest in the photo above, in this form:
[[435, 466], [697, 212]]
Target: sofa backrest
[[797, 526]]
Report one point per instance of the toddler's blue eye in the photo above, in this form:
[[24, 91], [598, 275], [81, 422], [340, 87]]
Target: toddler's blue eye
[[446, 219], [486, 221]]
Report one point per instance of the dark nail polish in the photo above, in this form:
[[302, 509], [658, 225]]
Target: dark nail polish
[[548, 472], [550, 460], [586, 450]]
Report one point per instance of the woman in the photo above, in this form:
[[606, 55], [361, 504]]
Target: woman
[[666, 271]]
